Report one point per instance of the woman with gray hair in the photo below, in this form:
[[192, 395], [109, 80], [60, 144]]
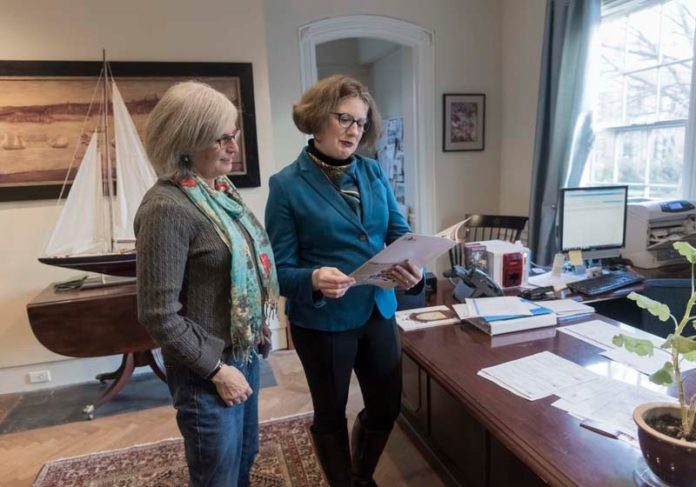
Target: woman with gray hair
[[207, 283]]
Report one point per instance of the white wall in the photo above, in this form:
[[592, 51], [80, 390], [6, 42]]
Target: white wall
[[342, 57], [467, 60], [130, 30], [522, 35]]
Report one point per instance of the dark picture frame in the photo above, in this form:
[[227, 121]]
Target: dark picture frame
[[34, 182], [463, 122]]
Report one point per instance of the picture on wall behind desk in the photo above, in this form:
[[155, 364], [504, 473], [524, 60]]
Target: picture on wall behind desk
[[48, 111], [463, 125]]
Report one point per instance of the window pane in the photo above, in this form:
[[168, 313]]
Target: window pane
[[612, 47], [666, 155], [664, 192], [643, 38], [602, 162], [610, 102], [677, 30], [637, 191], [631, 162], [641, 96], [675, 83]]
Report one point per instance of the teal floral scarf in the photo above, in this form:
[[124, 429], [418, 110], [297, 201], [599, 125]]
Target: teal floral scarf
[[254, 283]]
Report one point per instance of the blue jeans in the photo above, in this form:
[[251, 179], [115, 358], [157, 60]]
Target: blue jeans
[[221, 441]]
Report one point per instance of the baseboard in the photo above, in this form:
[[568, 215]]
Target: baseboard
[[63, 373]]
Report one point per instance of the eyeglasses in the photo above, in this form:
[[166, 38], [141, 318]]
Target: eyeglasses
[[227, 139], [345, 120]]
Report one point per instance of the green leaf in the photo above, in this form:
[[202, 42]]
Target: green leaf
[[638, 346], [663, 376], [690, 356], [683, 344], [686, 250], [655, 308]]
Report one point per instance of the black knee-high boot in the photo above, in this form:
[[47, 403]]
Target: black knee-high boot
[[367, 447], [334, 455]]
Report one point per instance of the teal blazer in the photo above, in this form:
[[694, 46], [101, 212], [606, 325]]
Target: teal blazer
[[310, 226]]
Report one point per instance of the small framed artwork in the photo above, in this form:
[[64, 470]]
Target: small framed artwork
[[463, 125]]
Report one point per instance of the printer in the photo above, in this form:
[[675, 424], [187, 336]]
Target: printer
[[507, 262], [651, 229]]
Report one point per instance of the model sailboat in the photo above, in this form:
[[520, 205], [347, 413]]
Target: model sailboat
[[95, 229]]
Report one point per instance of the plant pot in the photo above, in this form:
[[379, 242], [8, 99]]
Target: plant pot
[[672, 460]]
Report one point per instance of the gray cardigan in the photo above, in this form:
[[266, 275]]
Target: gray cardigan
[[183, 270]]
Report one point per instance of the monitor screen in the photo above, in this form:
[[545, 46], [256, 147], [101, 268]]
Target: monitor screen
[[593, 218]]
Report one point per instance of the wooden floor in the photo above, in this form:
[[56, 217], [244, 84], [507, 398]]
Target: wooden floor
[[22, 454]]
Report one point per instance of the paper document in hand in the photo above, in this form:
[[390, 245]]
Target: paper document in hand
[[415, 319], [411, 247]]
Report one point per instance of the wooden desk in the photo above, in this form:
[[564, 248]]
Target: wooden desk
[[95, 323], [479, 434]]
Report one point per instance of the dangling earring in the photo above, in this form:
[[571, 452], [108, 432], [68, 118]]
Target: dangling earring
[[185, 160]]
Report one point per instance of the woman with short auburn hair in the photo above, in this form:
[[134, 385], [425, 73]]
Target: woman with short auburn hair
[[327, 213], [207, 285]]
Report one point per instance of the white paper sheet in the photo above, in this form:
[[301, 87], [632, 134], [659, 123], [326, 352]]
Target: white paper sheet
[[646, 364], [538, 375], [418, 249], [600, 333]]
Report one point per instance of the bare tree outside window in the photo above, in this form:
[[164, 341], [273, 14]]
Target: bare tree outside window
[[641, 101]]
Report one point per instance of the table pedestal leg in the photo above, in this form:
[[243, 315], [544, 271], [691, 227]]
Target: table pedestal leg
[[122, 375]]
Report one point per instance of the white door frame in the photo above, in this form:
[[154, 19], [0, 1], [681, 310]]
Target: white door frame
[[422, 108]]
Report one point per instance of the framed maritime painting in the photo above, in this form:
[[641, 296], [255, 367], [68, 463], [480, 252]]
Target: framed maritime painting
[[48, 109]]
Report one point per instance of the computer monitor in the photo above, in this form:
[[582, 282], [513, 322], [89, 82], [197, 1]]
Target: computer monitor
[[593, 220]]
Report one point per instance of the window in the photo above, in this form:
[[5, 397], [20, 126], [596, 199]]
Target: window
[[641, 96]]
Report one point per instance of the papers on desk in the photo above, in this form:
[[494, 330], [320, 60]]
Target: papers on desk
[[418, 249], [537, 376], [416, 319], [500, 315], [607, 401], [557, 281], [600, 334]]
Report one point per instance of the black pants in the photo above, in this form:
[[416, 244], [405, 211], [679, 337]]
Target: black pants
[[373, 351]]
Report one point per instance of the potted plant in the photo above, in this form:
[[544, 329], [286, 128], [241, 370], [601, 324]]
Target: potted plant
[[666, 431]]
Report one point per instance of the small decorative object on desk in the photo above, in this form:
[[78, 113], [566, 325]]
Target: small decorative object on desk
[[475, 256], [415, 319], [666, 431]]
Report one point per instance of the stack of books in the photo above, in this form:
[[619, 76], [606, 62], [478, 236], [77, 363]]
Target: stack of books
[[500, 315]]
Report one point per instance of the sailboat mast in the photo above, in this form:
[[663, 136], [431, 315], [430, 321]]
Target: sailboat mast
[[107, 144]]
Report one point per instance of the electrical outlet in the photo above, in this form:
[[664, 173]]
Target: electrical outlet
[[40, 376]]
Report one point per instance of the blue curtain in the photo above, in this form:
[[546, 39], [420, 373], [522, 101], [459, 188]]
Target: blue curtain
[[564, 127]]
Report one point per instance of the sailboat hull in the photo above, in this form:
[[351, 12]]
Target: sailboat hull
[[111, 264]]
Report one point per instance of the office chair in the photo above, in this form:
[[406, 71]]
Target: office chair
[[674, 293], [487, 227]]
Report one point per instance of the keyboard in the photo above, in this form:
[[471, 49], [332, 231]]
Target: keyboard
[[604, 283]]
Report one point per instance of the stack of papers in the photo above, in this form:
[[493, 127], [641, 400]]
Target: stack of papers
[[505, 314], [416, 319], [567, 308], [537, 376]]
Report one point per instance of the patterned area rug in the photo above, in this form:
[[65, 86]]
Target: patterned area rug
[[286, 458]]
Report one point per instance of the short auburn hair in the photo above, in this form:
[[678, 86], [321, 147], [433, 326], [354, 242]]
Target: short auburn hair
[[314, 109]]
